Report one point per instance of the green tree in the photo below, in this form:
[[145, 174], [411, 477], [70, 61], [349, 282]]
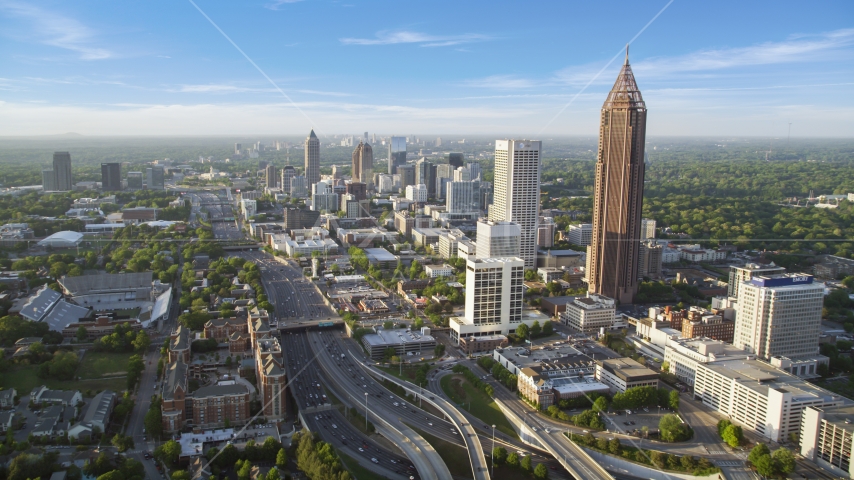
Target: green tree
[[273, 474], [245, 471], [614, 446], [180, 475], [141, 342], [82, 334], [525, 463], [168, 452], [513, 459], [672, 429], [765, 466], [548, 328], [784, 460], [541, 472], [522, 331], [499, 454], [722, 424], [536, 329], [282, 459], [113, 475], [732, 435], [122, 442], [154, 419], [673, 402], [600, 404], [757, 451]]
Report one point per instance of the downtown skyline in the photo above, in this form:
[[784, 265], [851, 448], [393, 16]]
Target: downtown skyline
[[478, 70]]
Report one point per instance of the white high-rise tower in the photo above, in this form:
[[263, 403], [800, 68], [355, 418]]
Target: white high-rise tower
[[517, 191]]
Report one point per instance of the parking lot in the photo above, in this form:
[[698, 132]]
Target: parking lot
[[632, 424]]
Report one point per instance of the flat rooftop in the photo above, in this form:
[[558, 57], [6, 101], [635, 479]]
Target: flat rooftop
[[760, 377], [842, 416], [522, 357], [627, 368], [396, 337], [380, 254], [574, 384]]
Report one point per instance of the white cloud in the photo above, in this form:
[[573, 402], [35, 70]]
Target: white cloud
[[50, 28], [423, 39], [328, 94], [502, 82], [215, 88], [797, 48], [277, 4]]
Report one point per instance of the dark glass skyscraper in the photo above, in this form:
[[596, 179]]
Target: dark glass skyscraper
[[312, 159], [456, 159], [396, 154], [612, 261], [111, 177], [64, 181]]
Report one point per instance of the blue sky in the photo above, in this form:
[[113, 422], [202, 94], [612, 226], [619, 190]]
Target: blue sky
[[497, 68]]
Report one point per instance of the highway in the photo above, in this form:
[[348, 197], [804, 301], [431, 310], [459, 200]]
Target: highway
[[294, 296], [295, 299], [571, 456], [220, 213], [307, 389]]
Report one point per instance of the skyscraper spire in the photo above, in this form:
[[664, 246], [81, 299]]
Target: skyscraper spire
[[612, 258]]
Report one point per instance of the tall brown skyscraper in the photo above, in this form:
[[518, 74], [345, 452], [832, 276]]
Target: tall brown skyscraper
[[363, 165], [612, 260]]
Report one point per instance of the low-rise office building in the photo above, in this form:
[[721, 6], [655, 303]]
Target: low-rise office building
[[435, 271], [404, 342], [485, 344], [550, 381], [589, 313], [620, 374]]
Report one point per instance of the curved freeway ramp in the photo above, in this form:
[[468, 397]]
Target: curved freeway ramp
[[479, 465]]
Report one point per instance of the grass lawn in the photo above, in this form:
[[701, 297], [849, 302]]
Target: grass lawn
[[357, 470], [476, 402], [97, 365], [455, 457], [24, 380], [408, 372]]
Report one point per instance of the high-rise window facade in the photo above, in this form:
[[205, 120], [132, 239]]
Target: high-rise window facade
[[111, 177], [62, 172], [618, 192], [517, 191], [396, 153]]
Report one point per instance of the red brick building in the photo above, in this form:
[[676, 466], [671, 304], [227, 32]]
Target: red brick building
[[102, 326], [215, 404], [272, 380], [704, 323], [179, 345], [221, 329]]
